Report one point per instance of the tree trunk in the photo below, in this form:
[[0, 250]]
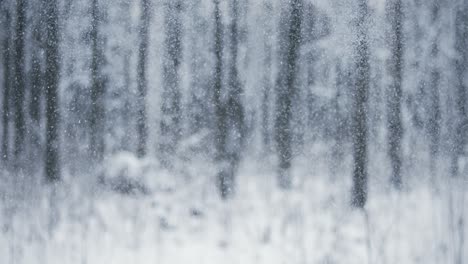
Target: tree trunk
[[394, 123], [97, 88], [6, 88], [37, 74], [19, 80], [37, 81], [36, 88], [461, 63], [360, 130], [235, 106], [200, 102], [171, 96], [52, 165], [127, 104], [267, 84], [434, 121], [220, 110], [286, 89], [234, 115], [142, 127], [128, 118]]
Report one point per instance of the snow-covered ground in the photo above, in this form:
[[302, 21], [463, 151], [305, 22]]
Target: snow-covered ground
[[183, 221]]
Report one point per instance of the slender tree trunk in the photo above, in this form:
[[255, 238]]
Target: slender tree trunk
[[360, 130], [286, 90], [37, 81], [435, 114], [434, 122], [457, 191], [394, 123], [37, 75], [234, 115], [267, 84], [19, 79], [34, 131], [171, 107], [142, 127], [265, 110], [6, 88], [235, 106], [97, 88], [220, 109], [36, 88], [200, 102], [126, 144], [52, 165], [461, 63]]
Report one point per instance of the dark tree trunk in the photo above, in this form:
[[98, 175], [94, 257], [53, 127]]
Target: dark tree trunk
[[435, 114], [286, 90], [127, 116], [6, 88], [97, 87], [36, 88], [234, 115], [19, 79], [37, 81], [171, 96], [434, 120], [34, 131], [360, 130], [142, 127], [266, 82], [395, 130], [37, 74], [52, 165], [220, 110], [461, 63], [199, 106], [235, 107]]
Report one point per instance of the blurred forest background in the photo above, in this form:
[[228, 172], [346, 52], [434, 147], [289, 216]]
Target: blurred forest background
[[267, 131]]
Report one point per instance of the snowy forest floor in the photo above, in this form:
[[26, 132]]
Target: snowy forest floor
[[183, 220]]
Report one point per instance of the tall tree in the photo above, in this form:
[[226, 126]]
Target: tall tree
[[266, 81], [435, 114], [235, 108], [461, 65], [36, 86], [98, 83], [220, 111], [233, 114], [286, 89], [142, 127], [394, 123], [19, 78], [52, 165], [127, 56], [171, 96], [6, 83], [200, 101], [36, 76], [361, 91]]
